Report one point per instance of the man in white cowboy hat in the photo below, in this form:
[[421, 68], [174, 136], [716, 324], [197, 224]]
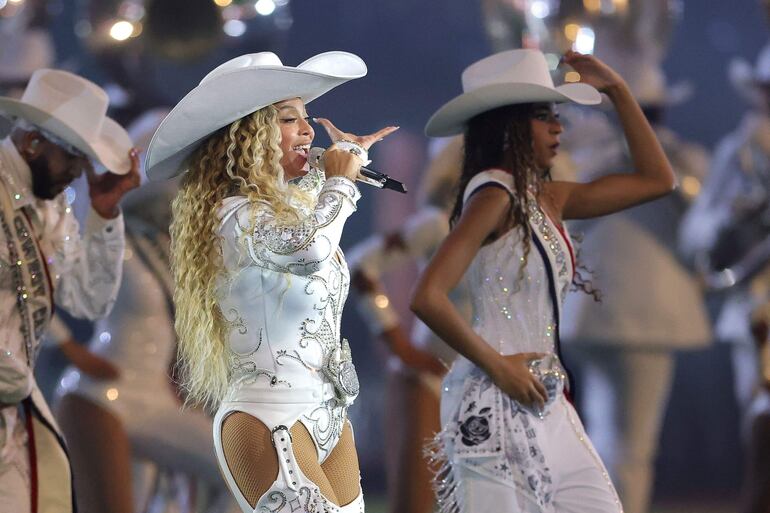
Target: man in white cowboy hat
[[652, 303], [60, 129], [726, 233]]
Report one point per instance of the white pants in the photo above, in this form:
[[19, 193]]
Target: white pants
[[625, 393], [580, 482]]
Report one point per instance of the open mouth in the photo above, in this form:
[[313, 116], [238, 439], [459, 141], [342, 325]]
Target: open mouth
[[301, 149]]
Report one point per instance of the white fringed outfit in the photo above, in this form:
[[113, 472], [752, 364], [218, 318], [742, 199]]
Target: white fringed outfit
[[497, 455]]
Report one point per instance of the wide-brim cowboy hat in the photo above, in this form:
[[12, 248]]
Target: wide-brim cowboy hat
[[505, 78], [74, 110], [236, 89]]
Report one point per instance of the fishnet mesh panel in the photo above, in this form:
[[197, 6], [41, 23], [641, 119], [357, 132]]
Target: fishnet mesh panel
[[249, 454], [307, 458], [341, 467], [253, 462]]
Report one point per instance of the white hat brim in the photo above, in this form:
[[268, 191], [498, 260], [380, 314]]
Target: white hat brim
[[452, 117], [222, 99], [110, 149]]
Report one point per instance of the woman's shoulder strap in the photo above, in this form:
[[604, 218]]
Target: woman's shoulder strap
[[489, 178]]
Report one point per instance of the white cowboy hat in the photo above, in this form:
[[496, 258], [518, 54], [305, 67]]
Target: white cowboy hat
[[74, 110], [745, 78], [505, 78], [236, 89]]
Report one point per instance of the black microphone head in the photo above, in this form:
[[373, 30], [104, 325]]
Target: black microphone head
[[314, 157]]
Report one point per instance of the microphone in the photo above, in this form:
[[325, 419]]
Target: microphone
[[366, 175]]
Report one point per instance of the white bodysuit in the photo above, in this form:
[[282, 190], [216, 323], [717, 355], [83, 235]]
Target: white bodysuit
[[282, 293]]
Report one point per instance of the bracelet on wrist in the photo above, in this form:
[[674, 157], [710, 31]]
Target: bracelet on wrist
[[356, 149]]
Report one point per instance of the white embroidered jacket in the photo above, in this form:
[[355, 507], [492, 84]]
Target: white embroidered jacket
[[44, 260]]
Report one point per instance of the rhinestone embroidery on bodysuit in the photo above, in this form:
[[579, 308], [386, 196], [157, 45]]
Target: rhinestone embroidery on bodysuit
[[298, 264], [272, 236]]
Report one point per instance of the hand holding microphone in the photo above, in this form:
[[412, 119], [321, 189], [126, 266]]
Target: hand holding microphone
[[357, 145], [329, 162], [335, 162]]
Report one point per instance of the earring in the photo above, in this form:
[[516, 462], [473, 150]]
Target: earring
[[33, 144]]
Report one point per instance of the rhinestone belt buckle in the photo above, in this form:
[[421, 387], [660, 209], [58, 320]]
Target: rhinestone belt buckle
[[339, 369], [549, 372]]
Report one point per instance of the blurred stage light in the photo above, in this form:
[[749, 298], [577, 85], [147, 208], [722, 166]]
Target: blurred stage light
[[584, 42], [540, 9], [572, 76], [234, 28], [223, 3], [690, 186], [571, 31], [3, 3], [264, 7], [592, 6], [131, 11], [620, 5], [381, 301], [121, 30]]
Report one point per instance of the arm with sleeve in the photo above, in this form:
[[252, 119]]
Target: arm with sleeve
[[89, 268]]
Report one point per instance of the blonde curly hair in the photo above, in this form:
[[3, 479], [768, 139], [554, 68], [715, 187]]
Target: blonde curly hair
[[242, 158]]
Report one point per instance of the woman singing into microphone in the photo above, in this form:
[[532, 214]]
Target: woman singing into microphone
[[260, 280]]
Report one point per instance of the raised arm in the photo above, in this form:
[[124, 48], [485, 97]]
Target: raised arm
[[90, 269], [652, 177], [484, 215]]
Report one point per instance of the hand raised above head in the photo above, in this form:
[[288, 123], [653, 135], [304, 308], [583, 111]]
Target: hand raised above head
[[593, 71]]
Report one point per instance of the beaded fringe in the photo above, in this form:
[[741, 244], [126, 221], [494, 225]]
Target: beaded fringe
[[444, 480]]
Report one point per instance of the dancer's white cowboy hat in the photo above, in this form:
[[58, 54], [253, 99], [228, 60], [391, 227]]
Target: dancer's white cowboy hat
[[505, 78], [74, 110], [235, 89], [746, 78]]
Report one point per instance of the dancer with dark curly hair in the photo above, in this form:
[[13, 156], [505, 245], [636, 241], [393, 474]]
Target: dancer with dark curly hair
[[511, 441]]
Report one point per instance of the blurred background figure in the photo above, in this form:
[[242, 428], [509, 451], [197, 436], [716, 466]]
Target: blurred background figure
[[727, 234], [112, 422], [25, 46], [651, 304], [419, 358]]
